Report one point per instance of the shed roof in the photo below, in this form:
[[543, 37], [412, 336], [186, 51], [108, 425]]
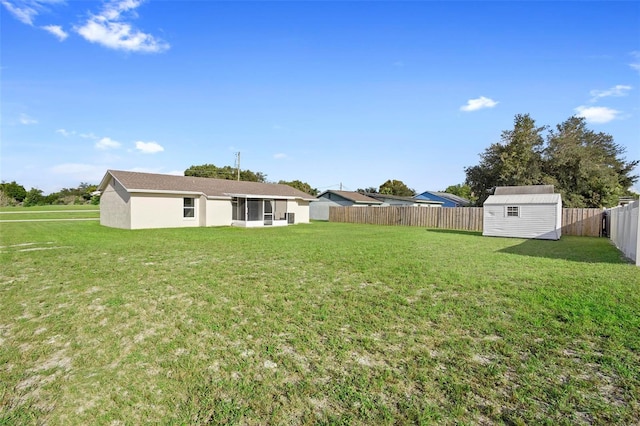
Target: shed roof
[[152, 182], [353, 196], [525, 189], [519, 199]]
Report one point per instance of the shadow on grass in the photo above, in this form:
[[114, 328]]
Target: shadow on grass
[[574, 249], [455, 231]]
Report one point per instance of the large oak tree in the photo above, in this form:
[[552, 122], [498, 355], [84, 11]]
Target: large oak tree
[[587, 168]]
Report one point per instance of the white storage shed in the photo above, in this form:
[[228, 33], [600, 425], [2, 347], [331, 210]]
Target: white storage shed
[[523, 212]]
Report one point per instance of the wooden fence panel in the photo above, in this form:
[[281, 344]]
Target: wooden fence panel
[[580, 222]]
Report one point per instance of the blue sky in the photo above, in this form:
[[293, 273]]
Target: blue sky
[[327, 92]]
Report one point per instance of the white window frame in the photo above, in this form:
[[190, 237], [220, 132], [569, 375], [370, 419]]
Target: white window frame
[[512, 211], [186, 208]]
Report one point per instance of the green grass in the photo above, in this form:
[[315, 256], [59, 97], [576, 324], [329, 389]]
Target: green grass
[[50, 208], [313, 324], [49, 213]]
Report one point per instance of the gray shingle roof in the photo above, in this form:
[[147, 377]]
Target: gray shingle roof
[[151, 182], [356, 197], [382, 197]]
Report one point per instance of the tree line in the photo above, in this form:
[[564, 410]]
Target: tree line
[[587, 168], [230, 173], [12, 193]]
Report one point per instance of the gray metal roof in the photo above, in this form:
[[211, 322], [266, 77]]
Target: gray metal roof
[[523, 199], [151, 182], [528, 189]]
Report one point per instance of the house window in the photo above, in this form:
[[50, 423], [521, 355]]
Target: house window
[[189, 207], [513, 211]]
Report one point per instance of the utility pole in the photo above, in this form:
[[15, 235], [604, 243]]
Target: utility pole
[[238, 163]]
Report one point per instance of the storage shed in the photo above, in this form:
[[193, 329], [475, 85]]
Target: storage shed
[[524, 212]]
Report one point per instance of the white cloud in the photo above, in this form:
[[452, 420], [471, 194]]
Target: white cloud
[[26, 10], [478, 103], [280, 156], [176, 173], [597, 114], [88, 136], [149, 147], [107, 143], [57, 31], [616, 91], [110, 29], [65, 133], [26, 120]]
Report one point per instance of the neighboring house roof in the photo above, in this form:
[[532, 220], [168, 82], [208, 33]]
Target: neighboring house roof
[[516, 199], [528, 189], [352, 196], [451, 197], [382, 197], [158, 183]]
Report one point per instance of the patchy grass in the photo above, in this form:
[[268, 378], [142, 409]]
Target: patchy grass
[[323, 323]]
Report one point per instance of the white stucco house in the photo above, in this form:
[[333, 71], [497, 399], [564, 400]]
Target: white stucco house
[[523, 211], [132, 200]]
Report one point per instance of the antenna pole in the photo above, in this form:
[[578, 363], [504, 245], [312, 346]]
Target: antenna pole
[[238, 163]]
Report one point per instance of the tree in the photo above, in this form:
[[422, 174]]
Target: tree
[[463, 191], [516, 160], [34, 198], [302, 186], [14, 190], [587, 167], [522, 153], [369, 190], [396, 187], [226, 172]]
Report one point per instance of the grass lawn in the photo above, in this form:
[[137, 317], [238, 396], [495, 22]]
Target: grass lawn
[[50, 208], [322, 323], [54, 213]]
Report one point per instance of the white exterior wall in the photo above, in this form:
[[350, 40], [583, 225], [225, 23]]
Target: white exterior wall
[[624, 228], [219, 213], [300, 208], [161, 211], [115, 206], [541, 221]]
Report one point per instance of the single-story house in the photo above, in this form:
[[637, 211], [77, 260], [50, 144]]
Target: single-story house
[[533, 211], [447, 200], [396, 200], [132, 200], [319, 209]]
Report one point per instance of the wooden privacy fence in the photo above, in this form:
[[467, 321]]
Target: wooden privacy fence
[[465, 218], [581, 222]]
